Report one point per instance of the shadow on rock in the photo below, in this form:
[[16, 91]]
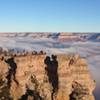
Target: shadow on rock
[[31, 95], [52, 71], [12, 70]]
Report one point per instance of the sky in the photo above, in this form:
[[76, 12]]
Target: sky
[[49, 15]]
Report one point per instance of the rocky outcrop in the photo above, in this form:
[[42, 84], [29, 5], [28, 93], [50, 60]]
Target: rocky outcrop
[[40, 77]]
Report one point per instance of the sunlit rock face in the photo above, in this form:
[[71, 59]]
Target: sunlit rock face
[[41, 77]]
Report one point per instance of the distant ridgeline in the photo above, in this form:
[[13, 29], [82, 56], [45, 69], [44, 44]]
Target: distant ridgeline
[[36, 76], [14, 52]]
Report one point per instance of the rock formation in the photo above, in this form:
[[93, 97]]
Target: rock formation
[[40, 77]]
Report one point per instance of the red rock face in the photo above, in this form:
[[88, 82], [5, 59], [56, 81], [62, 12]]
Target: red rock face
[[58, 77], [64, 38]]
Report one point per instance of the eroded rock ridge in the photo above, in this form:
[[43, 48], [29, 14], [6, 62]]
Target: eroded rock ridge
[[42, 77]]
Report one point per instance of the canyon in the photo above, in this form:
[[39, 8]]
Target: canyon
[[43, 77]]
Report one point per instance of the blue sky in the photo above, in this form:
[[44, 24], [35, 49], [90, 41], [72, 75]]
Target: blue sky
[[49, 15]]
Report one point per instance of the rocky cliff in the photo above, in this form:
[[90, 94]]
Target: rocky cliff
[[41, 77]]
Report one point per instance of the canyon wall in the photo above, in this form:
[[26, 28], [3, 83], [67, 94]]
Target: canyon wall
[[40, 77]]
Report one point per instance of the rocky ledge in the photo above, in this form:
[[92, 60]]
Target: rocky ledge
[[42, 77]]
